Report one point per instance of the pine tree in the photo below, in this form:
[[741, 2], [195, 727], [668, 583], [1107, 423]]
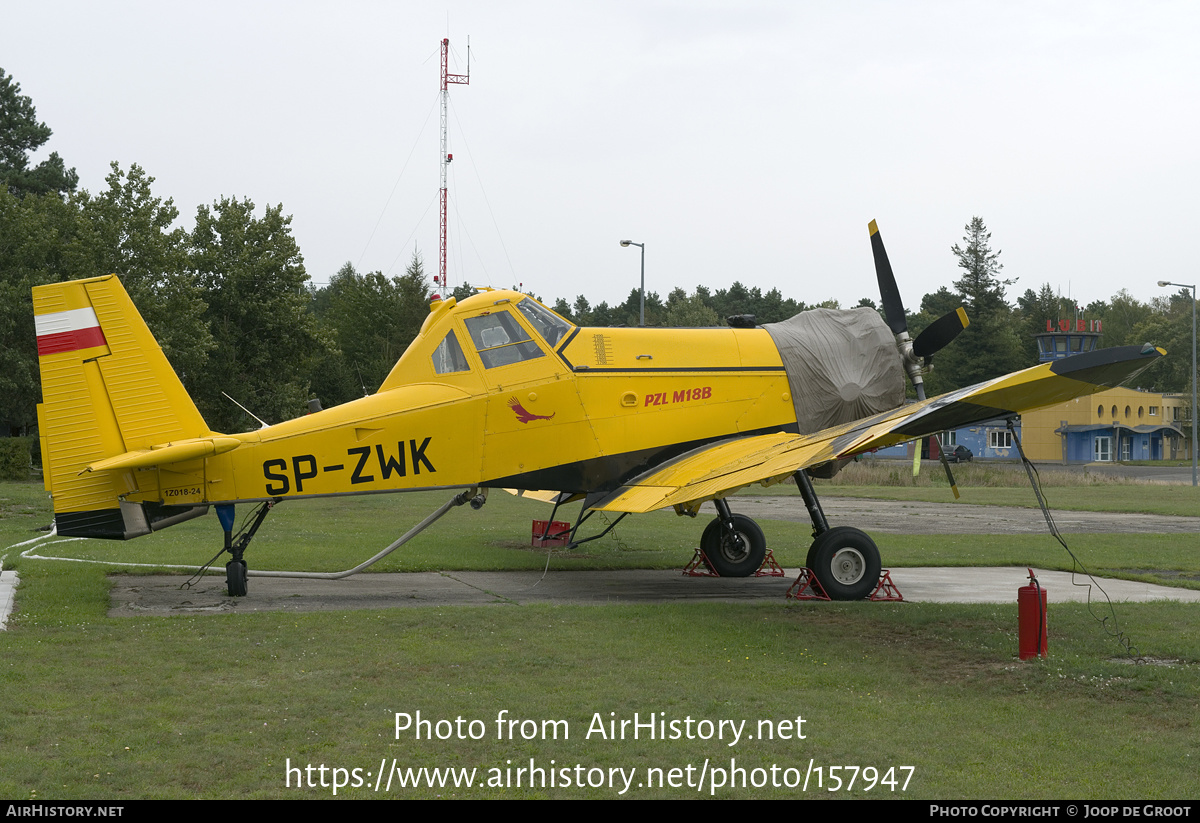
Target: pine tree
[[991, 345], [20, 136]]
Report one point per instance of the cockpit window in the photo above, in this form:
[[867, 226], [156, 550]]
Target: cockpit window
[[448, 357], [500, 340], [548, 324]]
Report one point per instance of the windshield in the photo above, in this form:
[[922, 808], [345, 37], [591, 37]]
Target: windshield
[[548, 324]]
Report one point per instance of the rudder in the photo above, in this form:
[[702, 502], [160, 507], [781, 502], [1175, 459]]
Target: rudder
[[107, 389]]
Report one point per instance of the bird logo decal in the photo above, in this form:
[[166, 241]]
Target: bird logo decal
[[523, 415]]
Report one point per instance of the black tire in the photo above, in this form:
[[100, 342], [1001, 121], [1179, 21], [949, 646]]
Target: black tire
[[734, 555], [846, 563], [235, 578]]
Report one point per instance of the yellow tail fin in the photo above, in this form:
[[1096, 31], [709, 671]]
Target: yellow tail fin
[[107, 389]]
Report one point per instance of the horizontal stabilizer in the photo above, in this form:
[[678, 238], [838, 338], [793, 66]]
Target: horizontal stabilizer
[[164, 455]]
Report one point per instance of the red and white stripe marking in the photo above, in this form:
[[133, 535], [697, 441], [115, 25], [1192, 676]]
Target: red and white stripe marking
[[66, 331]]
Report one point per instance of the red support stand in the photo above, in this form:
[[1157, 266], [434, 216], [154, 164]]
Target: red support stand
[[806, 587], [886, 590], [769, 567], [699, 567]]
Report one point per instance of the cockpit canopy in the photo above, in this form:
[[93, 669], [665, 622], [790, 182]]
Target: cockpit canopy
[[500, 339]]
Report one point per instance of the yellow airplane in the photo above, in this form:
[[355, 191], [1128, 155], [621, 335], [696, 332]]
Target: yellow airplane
[[497, 391]]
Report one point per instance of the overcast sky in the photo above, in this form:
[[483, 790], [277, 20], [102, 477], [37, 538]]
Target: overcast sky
[[750, 140]]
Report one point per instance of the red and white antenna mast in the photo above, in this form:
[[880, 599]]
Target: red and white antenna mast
[[447, 79]]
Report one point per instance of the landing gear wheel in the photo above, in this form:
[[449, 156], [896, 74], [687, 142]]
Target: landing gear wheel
[[235, 577], [846, 563], [738, 554]]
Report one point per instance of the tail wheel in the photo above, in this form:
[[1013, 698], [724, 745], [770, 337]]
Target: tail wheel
[[736, 553], [846, 563], [235, 577]]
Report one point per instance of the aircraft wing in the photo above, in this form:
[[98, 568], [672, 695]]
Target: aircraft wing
[[717, 469]]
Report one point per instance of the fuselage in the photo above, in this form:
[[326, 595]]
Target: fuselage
[[498, 391]]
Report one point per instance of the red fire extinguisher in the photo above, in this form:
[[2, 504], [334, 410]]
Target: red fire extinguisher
[[1031, 619]]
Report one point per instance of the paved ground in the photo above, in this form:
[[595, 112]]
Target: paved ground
[[162, 595], [8, 586]]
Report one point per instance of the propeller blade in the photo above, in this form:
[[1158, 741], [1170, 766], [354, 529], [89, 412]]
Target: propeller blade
[[889, 293], [940, 332]]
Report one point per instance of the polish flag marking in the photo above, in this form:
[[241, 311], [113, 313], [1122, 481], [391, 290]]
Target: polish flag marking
[[66, 331]]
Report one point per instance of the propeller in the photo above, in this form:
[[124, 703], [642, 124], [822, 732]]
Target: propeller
[[940, 332], [916, 354]]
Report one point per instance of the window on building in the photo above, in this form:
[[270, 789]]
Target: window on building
[[1127, 448], [1126, 412], [1141, 409], [1103, 450], [1154, 411], [1100, 410], [1114, 412], [947, 439], [1000, 440]]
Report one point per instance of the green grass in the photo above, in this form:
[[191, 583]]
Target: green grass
[[983, 474], [333, 534], [1181, 501], [1177, 464], [214, 706], [1003, 484]]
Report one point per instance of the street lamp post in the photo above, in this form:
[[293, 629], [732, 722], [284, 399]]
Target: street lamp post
[[642, 307], [1193, 288]]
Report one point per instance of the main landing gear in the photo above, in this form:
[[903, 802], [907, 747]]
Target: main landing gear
[[845, 560]]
